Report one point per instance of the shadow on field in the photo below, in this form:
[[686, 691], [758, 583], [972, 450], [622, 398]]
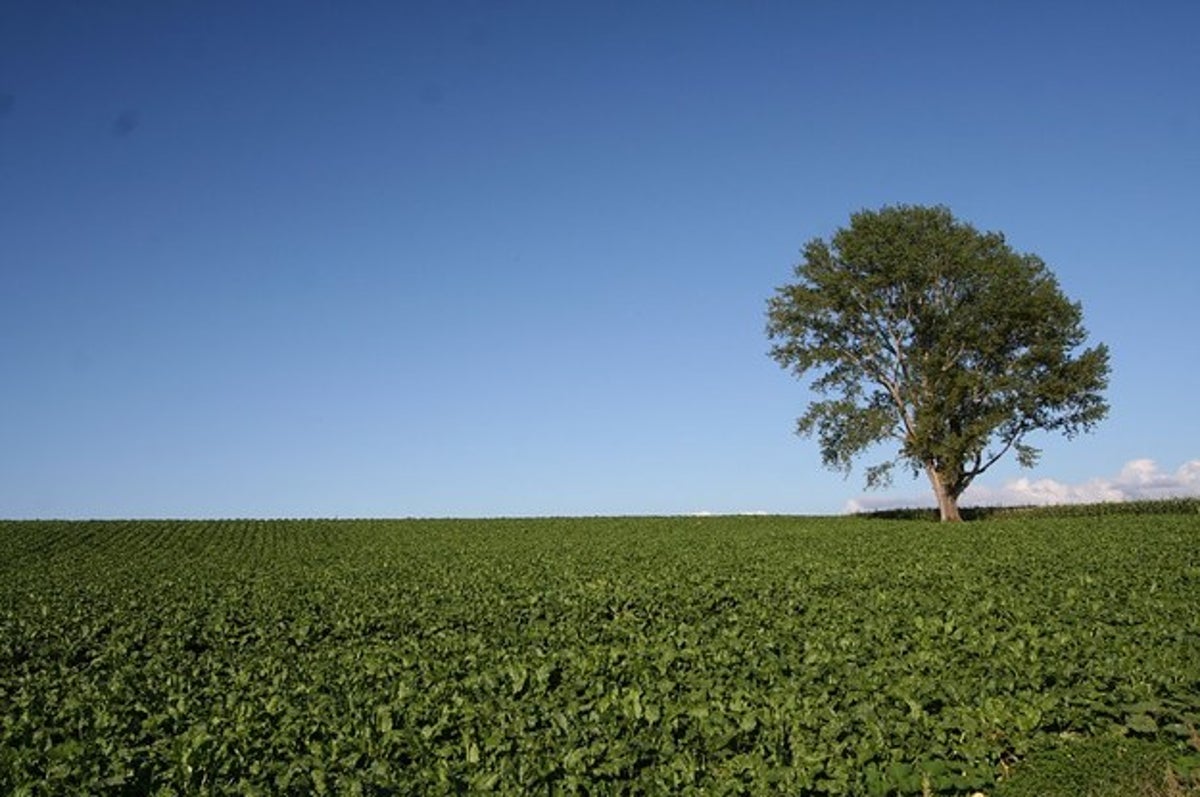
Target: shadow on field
[[1168, 506]]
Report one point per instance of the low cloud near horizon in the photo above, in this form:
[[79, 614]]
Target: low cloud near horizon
[[1139, 480]]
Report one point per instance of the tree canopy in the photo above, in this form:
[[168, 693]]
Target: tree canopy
[[926, 332]]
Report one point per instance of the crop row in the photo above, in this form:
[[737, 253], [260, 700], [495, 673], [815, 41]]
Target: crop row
[[640, 655]]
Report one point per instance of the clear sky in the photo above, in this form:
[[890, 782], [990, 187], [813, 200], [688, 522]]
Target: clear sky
[[512, 258]]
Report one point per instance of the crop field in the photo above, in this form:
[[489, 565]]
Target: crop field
[[722, 655]]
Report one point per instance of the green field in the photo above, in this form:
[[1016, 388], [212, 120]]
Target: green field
[[755, 655]]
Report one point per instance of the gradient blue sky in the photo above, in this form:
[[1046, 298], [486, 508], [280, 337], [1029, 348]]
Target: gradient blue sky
[[512, 258]]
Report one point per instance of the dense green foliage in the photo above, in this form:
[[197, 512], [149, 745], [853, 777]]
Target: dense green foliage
[[1163, 506], [929, 334], [599, 656], [1106, 767]]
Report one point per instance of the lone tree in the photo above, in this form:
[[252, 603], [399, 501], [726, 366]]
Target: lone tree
[[924, 331]]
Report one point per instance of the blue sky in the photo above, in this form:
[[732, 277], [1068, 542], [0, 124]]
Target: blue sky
[[512, 258]]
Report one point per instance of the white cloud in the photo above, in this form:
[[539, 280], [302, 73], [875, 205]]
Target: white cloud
[[1140, 479], [876, 503]]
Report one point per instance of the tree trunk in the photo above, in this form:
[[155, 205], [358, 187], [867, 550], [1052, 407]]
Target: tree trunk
[[947, 502]]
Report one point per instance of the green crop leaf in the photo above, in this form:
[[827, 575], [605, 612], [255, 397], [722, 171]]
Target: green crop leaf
[[836, 656], [1141, 723]]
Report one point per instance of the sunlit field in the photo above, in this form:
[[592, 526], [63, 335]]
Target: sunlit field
[[715, 655]]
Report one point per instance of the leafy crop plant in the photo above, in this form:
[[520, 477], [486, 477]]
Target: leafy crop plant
[[719, 655]]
